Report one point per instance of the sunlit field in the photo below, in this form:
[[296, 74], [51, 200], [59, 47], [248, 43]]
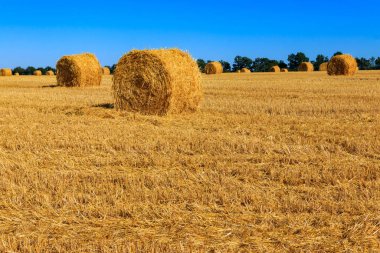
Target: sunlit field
[[286, 162]]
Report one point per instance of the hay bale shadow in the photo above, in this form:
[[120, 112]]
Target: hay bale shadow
[[105, 106], [51, 86]]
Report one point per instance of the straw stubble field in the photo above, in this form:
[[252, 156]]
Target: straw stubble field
[[271, 162]]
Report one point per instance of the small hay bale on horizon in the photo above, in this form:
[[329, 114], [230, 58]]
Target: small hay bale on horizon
[[245, 70], [275, 69], [106, 71], [16, 74], [306, 67], [50, 73], [5, 72], [157, 82], [345, 65], [79, 70], [213, 68], [323, 66], [284, 70], [37, 73]]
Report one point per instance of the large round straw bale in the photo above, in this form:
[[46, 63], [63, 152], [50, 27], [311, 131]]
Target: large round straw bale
[[37, 73], [245, 70], [158, 82], [106, 71], [214, 68], [275, 69], [50, 73], [323, 66], [342, 65], [306, 67], [79, 70], [6, 72], [16, 74], [284, 70]]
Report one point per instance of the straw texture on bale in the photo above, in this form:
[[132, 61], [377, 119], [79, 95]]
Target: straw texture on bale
[[245, 70], [79, 71], [157, 82], [323, 66], [37, 73], [306, 67], [285, 70], [50, 73], [214, 68], [106, 71], [5, 72], [275, 69], [342, 65]]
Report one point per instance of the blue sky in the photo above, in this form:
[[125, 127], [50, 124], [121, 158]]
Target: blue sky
[[39, 33]]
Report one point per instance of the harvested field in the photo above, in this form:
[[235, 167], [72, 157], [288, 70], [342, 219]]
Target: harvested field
[[284, 163]]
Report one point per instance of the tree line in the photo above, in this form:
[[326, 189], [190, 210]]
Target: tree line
[[294, 60]]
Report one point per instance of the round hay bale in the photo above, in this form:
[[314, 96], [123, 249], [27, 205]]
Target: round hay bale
[[284, 70], [6, 72], [238, 71], [275, 69], [342, 65], [16, 74], [79, 71], [106, 71], [50, 73], [214, 68], [323, 66], [245, 70], [158, 82], [37, 73], [306, 67]]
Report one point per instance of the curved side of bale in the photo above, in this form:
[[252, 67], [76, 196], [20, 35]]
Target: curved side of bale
[[37, 73], [238, 71], [323, 66], [16, 74], [157, 82], [106, 71], [342, 65], [306, 67], [79, 71], [50, 73], [284, 70], [245, 70], [214, 68], [275, 69], [5, 72]]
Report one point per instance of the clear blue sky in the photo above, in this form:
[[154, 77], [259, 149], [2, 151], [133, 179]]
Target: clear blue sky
[[38, 33]]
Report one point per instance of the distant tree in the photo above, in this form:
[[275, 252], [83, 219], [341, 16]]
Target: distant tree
[[338, 53], [29, 70], [296, 59], [201, 65], [19, 70], [48, 68], [242, 62], [319, 60], [372, 62], [377, 62], [42, 70], [113, 68], [363, 63], [226, 66], [263, 64], [282, 65]]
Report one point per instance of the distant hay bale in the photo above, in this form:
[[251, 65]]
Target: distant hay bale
[[6, 72], [50, 73], [106, 71], [79, 71], [214, 68], [245, 70], [306, 67], [342, 65], [284, 70], [275, 69], [37, 73], [157, 82], [323, 66], [16, 74], [238, 71]]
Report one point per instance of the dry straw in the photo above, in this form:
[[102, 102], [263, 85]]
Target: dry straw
[[158, 82], [106, 71], [16, 74], [323, 66], [214, 68], [342, 65], [79, 71], [306, 67], [50, 73], [37, 73], [284, 70], [275, 69], [6, 72], [245, 70]]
